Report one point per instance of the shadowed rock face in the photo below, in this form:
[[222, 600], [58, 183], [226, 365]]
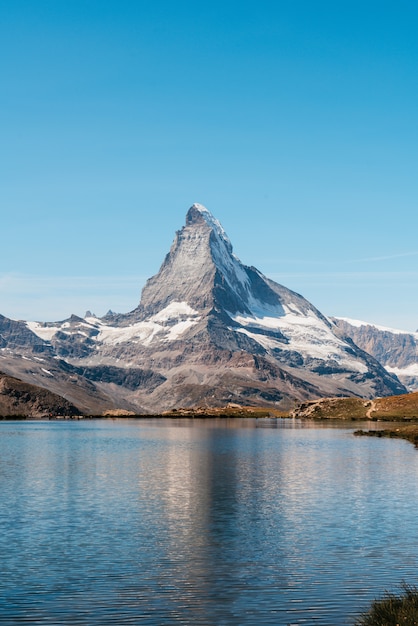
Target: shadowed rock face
[[21, 399], [16, 334], [210, 330]]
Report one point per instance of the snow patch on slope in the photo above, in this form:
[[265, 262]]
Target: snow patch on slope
[[179, 328], [44, 332], [142, 331], [173, 311], [359, 324], [269, 343], [409, 370], [307, 334], [172, 321]]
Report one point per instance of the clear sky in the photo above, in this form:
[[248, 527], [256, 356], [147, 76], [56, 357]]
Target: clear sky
[[294, 121]]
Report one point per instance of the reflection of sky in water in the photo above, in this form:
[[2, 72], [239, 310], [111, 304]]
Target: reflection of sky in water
[[202, 522]]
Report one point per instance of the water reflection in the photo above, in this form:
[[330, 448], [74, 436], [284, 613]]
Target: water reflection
[[197, 522]]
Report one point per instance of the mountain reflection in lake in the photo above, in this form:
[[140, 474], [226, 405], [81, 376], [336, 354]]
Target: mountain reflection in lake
[[201, 522]]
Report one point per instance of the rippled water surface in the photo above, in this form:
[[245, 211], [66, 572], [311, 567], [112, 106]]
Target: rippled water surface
[[201, 522]]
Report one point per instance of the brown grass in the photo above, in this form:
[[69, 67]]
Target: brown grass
[[393, 408], [225, 411], [397, 407]]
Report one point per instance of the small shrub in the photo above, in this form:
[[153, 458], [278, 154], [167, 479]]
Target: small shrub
[[393, 609]]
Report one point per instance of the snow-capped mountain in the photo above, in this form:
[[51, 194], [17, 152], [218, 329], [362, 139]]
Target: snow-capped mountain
[[210, 330], [396, 350], [33, 359]]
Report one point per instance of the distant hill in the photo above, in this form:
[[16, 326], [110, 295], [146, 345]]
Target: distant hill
[[22, 399]]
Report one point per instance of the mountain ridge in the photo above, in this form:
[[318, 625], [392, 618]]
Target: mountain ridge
[[210, 330], [397, 350]]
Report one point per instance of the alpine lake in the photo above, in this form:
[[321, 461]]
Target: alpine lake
[[202, 521]]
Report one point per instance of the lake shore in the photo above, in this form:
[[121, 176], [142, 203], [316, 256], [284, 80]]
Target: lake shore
[[402, 431]]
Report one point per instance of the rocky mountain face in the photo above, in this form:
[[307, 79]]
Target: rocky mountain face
[[207, 331], [396, 350], [33, 359], [21, 399]]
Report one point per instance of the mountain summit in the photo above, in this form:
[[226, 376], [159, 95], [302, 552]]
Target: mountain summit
[[209, 330], [188, 271], [202, 271]]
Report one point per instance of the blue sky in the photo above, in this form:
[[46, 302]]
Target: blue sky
[[294, 122]]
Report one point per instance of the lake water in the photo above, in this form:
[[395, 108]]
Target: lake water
[[165, 522]]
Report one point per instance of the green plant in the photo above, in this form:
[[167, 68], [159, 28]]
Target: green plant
[[393, 609]]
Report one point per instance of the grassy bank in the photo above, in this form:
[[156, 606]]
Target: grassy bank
[[226, 411], [393, 609], [409, 432], [231, 410]]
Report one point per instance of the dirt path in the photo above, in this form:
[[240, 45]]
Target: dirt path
[[370, 410]]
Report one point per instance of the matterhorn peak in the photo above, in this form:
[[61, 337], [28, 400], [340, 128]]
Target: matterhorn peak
[[208, 330], [199, 214]]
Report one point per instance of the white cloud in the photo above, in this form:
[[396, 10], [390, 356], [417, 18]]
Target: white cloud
[[387, 257]]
